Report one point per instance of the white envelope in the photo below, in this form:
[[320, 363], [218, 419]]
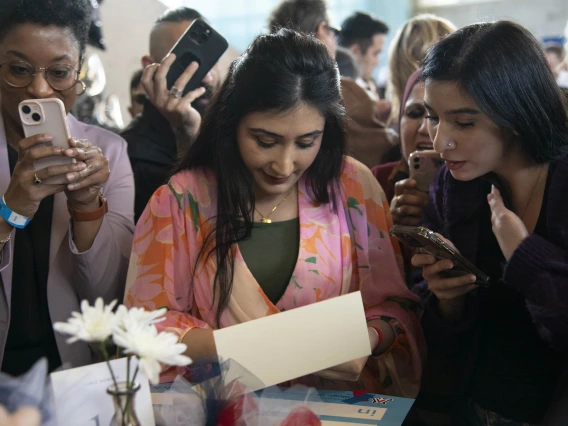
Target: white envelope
[[81, 398], [297, 342]]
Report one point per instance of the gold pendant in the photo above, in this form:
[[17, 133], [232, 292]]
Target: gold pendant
[[265, 220]]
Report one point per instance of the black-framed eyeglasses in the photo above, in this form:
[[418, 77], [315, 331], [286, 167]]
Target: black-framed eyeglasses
[[20, 74]]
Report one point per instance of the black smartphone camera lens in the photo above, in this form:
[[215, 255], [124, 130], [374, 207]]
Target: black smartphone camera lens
[[36, 116], [416, 159], [199, 32], [416, 166], [26, 109]]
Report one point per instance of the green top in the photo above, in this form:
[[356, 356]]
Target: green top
[[271, 254]]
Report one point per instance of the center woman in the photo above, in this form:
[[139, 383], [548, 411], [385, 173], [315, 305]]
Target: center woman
[[266, 214]]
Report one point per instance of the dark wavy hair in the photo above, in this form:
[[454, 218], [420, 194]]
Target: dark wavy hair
[[72, 14], [502, 67], [299, 15], [277, 73], [360, 28]]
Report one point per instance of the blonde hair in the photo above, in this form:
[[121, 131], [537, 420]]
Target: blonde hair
[[407, 50]]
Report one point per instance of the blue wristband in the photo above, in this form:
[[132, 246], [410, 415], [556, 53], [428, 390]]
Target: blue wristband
[[14, 219]]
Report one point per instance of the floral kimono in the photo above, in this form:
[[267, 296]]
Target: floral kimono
[[339, 253]]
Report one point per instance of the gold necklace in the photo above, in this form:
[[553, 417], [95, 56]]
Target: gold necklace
[[532, 192], [265, 219]]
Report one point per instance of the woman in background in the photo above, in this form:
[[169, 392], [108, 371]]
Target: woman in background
[[407, 50]]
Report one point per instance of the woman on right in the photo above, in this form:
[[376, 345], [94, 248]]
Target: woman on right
[[499, 121]]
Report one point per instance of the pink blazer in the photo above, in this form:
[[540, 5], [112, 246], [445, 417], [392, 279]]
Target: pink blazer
[[73, 276]]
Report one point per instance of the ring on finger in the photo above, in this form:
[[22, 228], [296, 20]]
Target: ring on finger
[[37, 180], [84, 142], [175, 92]]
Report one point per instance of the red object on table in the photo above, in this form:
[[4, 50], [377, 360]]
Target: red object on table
[[301, 416], [232, 414]]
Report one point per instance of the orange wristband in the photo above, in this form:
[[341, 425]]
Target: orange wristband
[[88, 216]]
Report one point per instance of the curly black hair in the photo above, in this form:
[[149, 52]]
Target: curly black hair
[[72, 14]]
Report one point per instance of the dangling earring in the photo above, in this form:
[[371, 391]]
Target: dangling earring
[[83, 87]]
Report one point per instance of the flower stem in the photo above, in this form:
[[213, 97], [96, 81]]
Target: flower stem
[[135, 374], [128, 383], [129, 386], [105, 355]]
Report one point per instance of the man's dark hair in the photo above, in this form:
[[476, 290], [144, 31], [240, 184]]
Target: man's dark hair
[[501, 66], [180, 14], [360, 28], [72, 14], [300, 15], [136, 79], [554, 48]]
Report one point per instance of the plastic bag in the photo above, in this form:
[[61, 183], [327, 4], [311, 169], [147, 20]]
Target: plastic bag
[[219, 395], [29, 390]]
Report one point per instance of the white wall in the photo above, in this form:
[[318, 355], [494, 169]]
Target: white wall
[[126, 29], [545, 18]]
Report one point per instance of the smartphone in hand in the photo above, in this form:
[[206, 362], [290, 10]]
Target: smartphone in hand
[[47, 116], [199, 43], [424, 166], [423, 238]]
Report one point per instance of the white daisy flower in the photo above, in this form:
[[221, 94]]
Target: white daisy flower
[[127, 318], [152, 348], [94, 324]]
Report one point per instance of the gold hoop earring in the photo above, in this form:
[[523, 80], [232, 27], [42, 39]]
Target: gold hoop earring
[[83, 87]]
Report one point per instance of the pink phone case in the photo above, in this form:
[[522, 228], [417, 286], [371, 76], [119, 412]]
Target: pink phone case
[[41, 116], [424, 166]]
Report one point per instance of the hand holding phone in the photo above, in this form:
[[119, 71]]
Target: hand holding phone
[[42, 162], [47, 116], [408, 203], [174, 85], [179, 111], [440, 252]]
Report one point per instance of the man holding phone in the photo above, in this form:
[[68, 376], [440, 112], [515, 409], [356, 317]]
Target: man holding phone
[[169, 120]]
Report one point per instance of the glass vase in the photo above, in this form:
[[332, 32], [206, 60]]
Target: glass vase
[[124, 410]]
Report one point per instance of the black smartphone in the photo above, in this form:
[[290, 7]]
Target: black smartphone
[[199, 43], [429, 242]]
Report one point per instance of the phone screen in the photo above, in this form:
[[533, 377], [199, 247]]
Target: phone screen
[[427, 242]]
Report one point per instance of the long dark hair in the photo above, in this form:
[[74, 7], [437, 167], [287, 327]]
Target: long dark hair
[[277, 73], [502, 67]]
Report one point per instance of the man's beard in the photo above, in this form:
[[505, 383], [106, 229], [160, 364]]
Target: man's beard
[[201, 103]]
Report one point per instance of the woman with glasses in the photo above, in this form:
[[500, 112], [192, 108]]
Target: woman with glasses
[[59, 243]]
